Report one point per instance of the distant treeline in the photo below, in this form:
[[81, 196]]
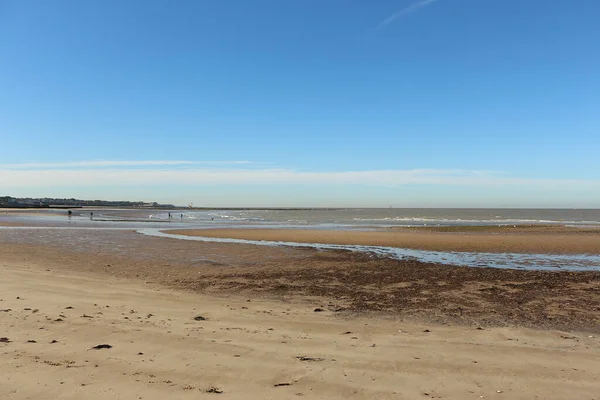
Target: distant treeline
[[48, 202]]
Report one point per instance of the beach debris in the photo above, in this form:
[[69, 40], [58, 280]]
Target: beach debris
[[214, 389], [426, 331], [149, 315], [315, 359], [479, 328], [27, 309], [568, 337], [282, 384], [4, 340], [58, 320], [140, 354], [200, 318], [54, 341], [319, 309], [34, 310], [31, 341], [346, 333], [6, 310], [69, 308], [102, 346]]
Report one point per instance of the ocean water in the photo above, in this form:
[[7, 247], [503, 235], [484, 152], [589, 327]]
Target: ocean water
[[386, 217], [346, 218]]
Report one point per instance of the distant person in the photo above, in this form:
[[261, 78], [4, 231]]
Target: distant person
[[169, 215], [92, 215], [70, 213], [181, 216]]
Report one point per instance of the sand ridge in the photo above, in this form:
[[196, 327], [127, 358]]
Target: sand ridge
[[556, 242]]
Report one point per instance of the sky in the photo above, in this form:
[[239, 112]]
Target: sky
[[333, 103]]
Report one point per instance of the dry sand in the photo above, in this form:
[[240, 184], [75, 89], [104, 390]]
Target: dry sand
[[559, 240], [250, 350]]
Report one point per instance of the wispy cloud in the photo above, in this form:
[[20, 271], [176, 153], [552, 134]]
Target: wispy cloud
[[129, 175], [410, 9], [109, 163]]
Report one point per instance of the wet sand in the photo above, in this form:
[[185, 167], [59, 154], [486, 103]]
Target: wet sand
[[555, 240], [11, 224], [29, 212]]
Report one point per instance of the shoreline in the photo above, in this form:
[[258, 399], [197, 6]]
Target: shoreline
[[559, 240]]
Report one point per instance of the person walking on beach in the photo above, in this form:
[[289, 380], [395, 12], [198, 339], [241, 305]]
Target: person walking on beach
[[169, 215], [92, 215]]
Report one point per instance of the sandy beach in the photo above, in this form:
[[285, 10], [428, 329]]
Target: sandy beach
[[559, 240], [280, 322], [252, 348]]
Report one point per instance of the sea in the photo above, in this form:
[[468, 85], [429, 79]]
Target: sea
[[349, 218], [318, 218]]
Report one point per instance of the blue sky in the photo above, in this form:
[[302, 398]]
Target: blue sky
[[489, 103]]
